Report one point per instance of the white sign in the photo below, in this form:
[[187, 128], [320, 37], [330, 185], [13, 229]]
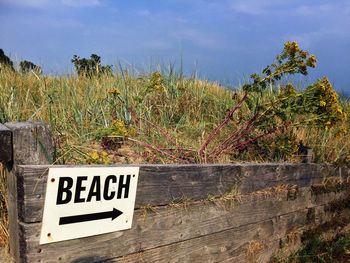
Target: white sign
[[88, 201]]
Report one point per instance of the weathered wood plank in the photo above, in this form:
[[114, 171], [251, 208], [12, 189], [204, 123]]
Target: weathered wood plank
[[13, 216], [172, 225], [231, 245], [31, 144], [256, 176], [5, 144], [28, 138], [162, 184], [158, 185]]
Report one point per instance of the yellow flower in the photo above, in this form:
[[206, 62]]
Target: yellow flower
[[322, 103], [328, 123], [114, 91], [326, 128], [119, 129], [97, 157], [289, 89], [94, 155], [311, 61], [344, 130]]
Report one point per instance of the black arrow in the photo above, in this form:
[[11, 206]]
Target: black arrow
[[90, 217]]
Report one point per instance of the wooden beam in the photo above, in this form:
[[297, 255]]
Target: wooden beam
[[31, 144], [231, 245], [163, 184], [5, 144], [182, 233]]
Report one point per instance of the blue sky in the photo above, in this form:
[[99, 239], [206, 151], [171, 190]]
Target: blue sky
[[222, 39]]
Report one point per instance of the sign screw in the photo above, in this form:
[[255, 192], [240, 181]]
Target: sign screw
[[52, 180]]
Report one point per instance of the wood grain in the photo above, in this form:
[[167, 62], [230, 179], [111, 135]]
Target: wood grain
[[162, 184], [26, 147], [28, 141], [179, 230], [5, 144], [255, 242]]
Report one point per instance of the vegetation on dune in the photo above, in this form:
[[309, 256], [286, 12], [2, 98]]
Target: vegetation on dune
[[162, 117], [28, 66], [5, 61], [90, 67]]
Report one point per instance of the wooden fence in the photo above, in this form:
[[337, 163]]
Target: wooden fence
[[183, 213]]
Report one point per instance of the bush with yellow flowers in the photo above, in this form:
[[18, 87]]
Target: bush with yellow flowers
[[116, 129], [111, 137], [291, 60], [286, 145], [321, 100], [155, 83], [97, 158], [284, 111], [275, 114], [153, 90]]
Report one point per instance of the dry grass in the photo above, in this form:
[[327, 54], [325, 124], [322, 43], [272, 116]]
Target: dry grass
[[188, 111], [4, 234]]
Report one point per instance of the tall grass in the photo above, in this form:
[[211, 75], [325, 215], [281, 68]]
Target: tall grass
[[188, 111]]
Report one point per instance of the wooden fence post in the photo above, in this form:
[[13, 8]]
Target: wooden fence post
[[5, 145], [31, 144]]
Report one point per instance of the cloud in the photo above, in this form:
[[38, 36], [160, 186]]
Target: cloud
[[333, 9], [26, 3], [144, 12], [330, 19], [159, 44], [305, 10], [51, 3], [254, 7], [62, 23], [309, 38], [198, 38], [81, 3]]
